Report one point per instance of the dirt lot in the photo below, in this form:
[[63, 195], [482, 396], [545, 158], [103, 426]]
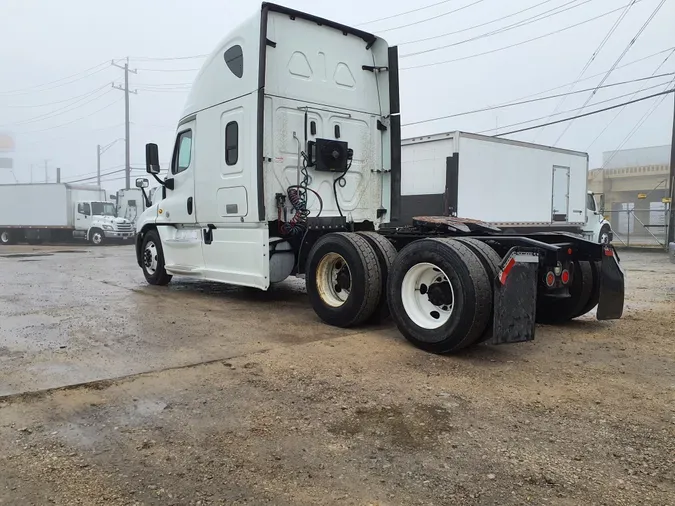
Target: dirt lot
[[116, 393]]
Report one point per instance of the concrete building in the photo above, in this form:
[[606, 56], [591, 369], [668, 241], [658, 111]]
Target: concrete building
[[635, 184]]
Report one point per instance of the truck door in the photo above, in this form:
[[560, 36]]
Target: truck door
[[182, 240], [83, 216], [561, 193]]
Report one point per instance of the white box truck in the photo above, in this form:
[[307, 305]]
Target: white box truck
[[517, 186], [287, 161], [37, 213], [129, 204]]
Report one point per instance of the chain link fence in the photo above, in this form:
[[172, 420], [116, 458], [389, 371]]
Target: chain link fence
[[647, 228]]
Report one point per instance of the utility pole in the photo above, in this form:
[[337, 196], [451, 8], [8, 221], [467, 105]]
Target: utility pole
[[46, 172], [671, 182], [31, 173], [126, 91], [58, 175]]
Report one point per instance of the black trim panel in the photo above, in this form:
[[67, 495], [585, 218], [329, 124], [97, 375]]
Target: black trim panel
[[395, 134], [451, 184], [261, 111], [420, 205]]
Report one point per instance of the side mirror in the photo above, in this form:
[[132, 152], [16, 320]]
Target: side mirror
[[112, 197], [602, 203], [142, 183], [152, 159]]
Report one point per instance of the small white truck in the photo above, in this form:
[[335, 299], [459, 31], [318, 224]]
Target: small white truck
[[36, 213], [129, 204], [517, 186], [287, 161]]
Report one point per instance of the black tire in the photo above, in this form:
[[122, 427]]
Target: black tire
[[490, 260], [363, 274], [552, 311], [6, 237], [472, 301], [159, 276], [605, 230], [596, 270], [386, 254], [96, 236]]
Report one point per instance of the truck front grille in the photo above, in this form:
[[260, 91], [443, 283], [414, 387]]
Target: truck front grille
[[124, 227]]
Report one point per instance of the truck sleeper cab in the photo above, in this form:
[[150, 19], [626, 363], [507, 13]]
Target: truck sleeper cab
[[287, 160]]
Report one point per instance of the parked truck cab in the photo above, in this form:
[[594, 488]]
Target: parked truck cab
[[287, 160], [98, 221], [597, 227]]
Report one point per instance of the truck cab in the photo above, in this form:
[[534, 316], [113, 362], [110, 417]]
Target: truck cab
[[97, 222], [597, 228]]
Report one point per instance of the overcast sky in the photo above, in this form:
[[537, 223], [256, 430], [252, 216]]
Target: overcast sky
[[46, 40]]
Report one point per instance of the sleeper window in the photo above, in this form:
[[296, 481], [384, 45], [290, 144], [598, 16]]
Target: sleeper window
[[232, 143], [234, 58]]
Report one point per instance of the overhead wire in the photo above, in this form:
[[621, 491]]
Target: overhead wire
[[518, 24], [404, 13], [166, 70], [618, 60], [29, 91], [529, 101], [623, 108], [170, 58], [433, 37], [76, 119], [576, 109], [591, 113], [503, 48], [476, 2], [53, 82]]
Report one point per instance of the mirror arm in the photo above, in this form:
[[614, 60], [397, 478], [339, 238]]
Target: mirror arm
[[148, 203], [158, 179]]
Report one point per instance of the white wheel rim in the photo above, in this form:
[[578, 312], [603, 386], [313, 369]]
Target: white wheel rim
[[150, 260], [97, 238], [427, 309], [4, 237], [604, 238], [333, 279]]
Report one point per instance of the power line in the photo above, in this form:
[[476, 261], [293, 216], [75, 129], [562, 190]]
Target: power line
[[8, 92], [62, 110], [167, 70], [618, 60], [622, 109], [588, 113], [27, 92], [404, 13], [549, 97], [147, 58], [73, 121], [516, 44], [474, 26], [431, 18], [503, 29], [602, 44], [637, 127], [576, 109], [57, 102]]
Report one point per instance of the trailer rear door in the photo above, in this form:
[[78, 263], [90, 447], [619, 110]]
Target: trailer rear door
[[561, 193]]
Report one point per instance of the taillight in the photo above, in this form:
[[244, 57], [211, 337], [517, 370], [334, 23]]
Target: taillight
[[565, 277], [550, 279]]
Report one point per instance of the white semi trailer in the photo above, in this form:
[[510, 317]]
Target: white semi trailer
[[37, 213], [517, 186], [287, 161]]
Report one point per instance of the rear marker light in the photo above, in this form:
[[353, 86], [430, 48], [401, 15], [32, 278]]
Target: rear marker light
[[565, 277], [550, 279]]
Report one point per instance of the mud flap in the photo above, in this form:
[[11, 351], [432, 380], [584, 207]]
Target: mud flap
[[515, 299], [610, 305]]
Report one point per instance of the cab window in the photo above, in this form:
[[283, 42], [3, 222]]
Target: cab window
[[590, 202], [182, 153], [84, 209]]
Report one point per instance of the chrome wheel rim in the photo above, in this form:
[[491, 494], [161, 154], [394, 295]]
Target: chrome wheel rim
[[4, 237], [427, 295], [150, 259]]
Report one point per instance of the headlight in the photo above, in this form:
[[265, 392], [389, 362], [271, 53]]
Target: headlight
[[107, 227]]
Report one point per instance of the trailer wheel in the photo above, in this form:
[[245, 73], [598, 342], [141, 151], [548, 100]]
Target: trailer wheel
[[6, 237], [152, 260], [551, 310], [386, 254], [596, 269], [439, 295], [603, 237], [490, 260], [343, 279]]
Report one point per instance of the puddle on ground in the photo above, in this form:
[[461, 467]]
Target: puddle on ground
[[27, 255]]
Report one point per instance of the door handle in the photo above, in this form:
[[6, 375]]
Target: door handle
[[189, 206]]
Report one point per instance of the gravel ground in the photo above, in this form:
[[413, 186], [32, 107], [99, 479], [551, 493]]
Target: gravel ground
[[284, 410]]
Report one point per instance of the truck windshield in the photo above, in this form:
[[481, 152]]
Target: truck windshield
[[102, 209]]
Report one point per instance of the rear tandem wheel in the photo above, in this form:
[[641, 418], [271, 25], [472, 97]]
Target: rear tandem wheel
[[439, 294]]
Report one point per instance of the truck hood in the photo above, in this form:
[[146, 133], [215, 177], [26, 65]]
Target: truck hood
[[112, 220]]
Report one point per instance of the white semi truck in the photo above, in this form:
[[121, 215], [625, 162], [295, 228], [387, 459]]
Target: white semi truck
[[517, 186], [37, 213], [287, 161]]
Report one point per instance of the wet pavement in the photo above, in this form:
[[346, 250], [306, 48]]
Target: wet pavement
[[80, 314]]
